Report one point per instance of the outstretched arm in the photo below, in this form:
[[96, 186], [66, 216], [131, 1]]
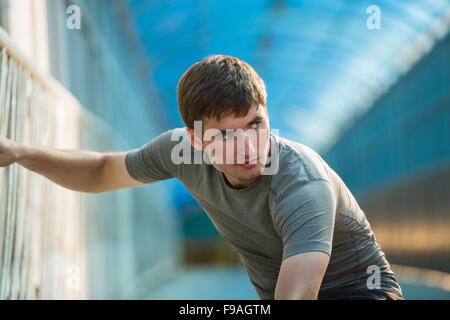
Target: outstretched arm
[[78, 170], [301, 275]]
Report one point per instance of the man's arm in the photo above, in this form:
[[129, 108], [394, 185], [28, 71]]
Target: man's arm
[[305, 220], [78, 170], [301, 275], [115, 175]]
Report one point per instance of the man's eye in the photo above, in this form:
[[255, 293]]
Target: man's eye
[[228, 135], [256, 124]]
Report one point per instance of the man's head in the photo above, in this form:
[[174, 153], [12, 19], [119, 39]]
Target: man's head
[[226, 93]]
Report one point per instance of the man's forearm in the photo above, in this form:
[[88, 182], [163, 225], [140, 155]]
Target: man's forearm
[[301, 276], [290, 294], [78, 170]]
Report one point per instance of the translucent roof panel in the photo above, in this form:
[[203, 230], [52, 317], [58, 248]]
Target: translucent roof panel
[[321, 62]]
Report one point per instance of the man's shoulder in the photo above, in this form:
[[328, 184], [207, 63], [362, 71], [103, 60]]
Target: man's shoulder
[[302, 179], [191, 163], [175, 140], [173, 135], [299, 162]]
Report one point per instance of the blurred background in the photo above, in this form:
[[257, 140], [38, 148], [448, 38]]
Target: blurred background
[[364, 83]]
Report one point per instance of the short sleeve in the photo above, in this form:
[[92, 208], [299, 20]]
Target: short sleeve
[[152, 162], [305, 217]]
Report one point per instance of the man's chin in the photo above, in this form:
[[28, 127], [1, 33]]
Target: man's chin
[[248, 171], [244, 172]]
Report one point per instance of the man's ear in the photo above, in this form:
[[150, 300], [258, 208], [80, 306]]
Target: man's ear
[[196, 141], [266, 110]]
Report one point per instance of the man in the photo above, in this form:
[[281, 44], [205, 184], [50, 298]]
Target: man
[[297, 228]]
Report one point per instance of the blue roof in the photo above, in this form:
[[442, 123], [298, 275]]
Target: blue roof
[[320, 61]]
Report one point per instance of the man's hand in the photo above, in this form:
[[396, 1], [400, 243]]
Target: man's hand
[[301, 275], [8, 152]]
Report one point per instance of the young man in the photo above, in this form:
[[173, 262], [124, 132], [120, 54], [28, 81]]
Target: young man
[[297, 228]]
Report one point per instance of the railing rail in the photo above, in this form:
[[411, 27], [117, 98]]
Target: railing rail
[[56, 243]]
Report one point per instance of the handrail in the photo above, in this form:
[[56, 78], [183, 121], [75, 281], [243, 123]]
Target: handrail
[[54, 87], [45, 251]]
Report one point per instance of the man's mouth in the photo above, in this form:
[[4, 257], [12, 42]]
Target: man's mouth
[[248, 163]]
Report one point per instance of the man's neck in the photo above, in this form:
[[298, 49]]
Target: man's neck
[[235, 184]]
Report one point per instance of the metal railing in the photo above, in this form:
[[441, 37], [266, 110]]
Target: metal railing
[[56, 243]]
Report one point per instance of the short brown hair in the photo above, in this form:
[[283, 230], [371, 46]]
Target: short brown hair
[[218, 86]]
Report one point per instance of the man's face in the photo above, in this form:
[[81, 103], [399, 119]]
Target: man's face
[[241, 151]]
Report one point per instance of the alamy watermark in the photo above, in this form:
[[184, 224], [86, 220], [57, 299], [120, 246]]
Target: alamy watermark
[[73, 277], [374, 20], [222, 147], [74, 20], [374, 280]]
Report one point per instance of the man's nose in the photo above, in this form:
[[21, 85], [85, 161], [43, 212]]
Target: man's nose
[[249, 145]]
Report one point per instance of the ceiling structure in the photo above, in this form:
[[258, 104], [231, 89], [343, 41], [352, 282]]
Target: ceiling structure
[[323, 62]]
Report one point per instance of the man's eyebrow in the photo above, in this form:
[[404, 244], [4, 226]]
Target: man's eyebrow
[[255, 119]]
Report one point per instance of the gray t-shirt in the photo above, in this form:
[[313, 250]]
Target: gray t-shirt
[[304, 206]]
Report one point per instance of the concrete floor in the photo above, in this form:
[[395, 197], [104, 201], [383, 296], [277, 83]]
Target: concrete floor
[[207, 283]]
